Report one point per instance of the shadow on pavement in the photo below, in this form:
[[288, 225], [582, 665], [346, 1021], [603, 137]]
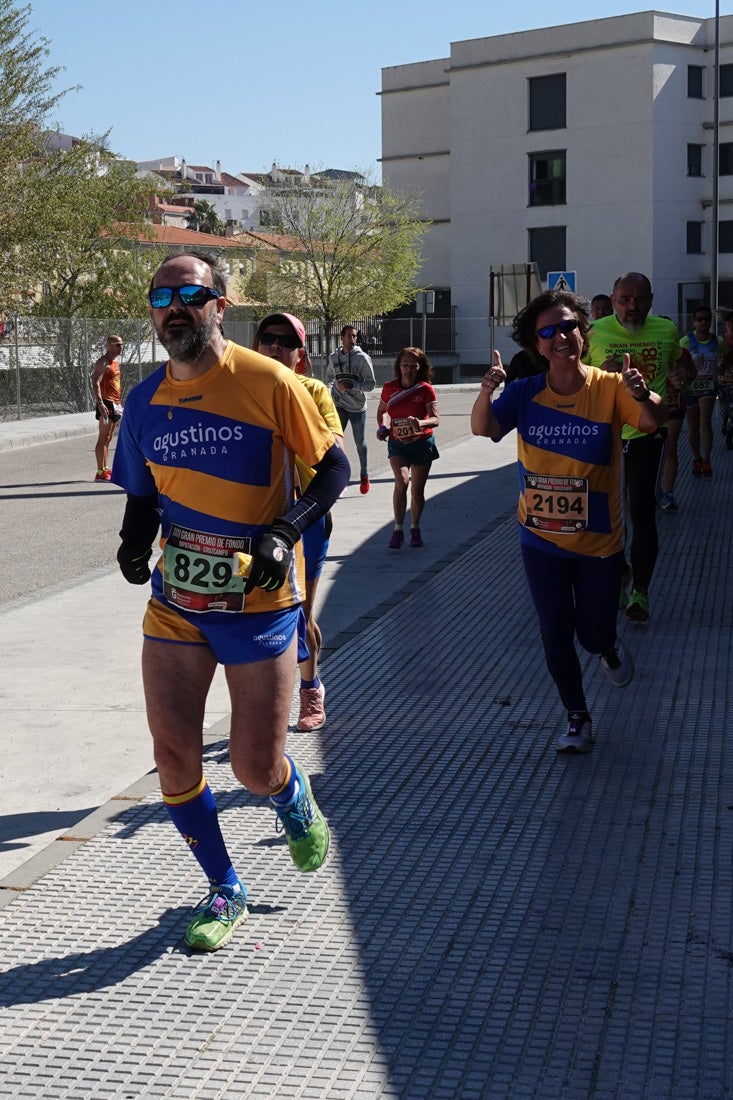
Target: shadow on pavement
[[86, 971], [31, 824]]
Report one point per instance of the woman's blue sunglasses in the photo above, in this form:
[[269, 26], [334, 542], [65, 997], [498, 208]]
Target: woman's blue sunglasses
[[548, 331]]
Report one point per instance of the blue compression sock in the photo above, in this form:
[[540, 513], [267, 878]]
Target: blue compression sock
[[195, 816], [285, 794]]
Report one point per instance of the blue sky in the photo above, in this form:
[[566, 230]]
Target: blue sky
[[249, 83]]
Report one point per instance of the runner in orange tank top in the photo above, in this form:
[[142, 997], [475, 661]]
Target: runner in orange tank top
[[107, 396]]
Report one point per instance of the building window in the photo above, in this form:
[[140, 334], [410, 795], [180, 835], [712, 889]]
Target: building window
[[547, 178], [547, 102], [694, 238], [694, 82], [694, 160], [726, 80], [725, 237], [725, 158], [547, 248]]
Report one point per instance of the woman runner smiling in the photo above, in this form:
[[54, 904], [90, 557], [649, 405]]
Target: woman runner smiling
[[568, 424]]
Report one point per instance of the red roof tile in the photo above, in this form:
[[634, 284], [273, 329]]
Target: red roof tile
[[171, 234]]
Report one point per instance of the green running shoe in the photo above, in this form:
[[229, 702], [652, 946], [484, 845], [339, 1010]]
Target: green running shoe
[[637, 608], [304, 826], [215, 917]]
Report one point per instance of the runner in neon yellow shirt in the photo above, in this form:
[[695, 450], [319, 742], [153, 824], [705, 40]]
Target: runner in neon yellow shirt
[[652, 343]]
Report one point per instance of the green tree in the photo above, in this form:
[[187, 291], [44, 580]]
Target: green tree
[[86, 246], [90, 249], [27, 99], [68, 210], [254, 287], [204, 219], [87, 241], [354, 249], [61, 200]]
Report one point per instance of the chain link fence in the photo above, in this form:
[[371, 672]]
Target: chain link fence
[[46, 362]]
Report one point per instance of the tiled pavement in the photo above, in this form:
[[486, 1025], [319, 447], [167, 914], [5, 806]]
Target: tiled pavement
[[494, 920]]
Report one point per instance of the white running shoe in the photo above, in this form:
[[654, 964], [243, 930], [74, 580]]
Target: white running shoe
[[579, 736], [618, 666]]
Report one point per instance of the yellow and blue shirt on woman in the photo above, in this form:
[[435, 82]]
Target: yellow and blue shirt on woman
[[569, 461]]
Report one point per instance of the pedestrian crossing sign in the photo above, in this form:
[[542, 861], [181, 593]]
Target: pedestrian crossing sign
[[561, 280]]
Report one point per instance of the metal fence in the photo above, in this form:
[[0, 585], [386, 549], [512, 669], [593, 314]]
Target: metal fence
[[46, 362]]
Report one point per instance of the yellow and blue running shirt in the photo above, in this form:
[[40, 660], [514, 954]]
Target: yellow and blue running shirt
[[321, 394], [569, 461], [219, 450], [652, 350]]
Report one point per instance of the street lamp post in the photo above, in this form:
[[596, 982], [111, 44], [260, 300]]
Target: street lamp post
[[716, 166]]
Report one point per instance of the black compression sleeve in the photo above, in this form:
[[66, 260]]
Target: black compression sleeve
[[141, 521], [332, 475]]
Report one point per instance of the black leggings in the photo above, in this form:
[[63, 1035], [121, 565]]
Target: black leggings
[[643, 463], [573, 596]]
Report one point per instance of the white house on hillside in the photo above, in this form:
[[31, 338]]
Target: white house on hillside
[[243, 202], [278, 182], [587, 148], [234, 198]]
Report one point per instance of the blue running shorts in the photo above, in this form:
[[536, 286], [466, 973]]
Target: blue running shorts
[[234, 639], [315, 548]]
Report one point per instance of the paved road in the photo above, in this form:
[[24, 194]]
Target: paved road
[[60, 527]]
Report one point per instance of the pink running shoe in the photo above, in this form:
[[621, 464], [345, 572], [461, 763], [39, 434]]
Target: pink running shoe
[[416, 537], [395, 543], [312, 713]]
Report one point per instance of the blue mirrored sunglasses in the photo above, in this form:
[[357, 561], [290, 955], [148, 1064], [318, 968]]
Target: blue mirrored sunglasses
[[548, 331], [160, 297]]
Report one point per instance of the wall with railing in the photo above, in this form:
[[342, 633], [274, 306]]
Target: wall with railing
[[46, 362]]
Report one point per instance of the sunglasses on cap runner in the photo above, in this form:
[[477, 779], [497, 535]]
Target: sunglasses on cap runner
[[548, 331], [160, 297], [290, 341]]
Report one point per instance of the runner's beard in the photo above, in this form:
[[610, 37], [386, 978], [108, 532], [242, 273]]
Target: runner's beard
[[189, 344]]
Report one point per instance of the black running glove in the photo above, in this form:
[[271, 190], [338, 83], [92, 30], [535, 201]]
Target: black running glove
[[272, 557], [133, 561], [139, 527]]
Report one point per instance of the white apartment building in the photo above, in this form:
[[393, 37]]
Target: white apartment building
[[586, 148]]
